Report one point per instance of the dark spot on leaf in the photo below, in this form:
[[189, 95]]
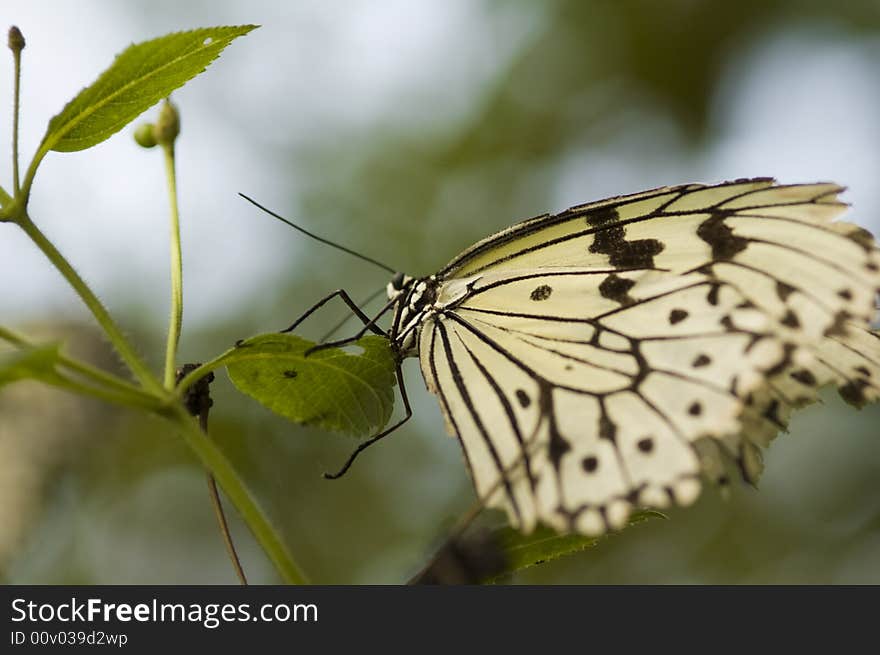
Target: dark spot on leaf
[[701, 360], [290, 374], [541, 293], [677, 316]]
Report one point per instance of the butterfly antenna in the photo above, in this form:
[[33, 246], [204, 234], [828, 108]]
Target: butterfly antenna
[[317, 238]]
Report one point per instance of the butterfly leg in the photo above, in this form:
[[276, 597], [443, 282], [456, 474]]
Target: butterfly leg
[[343, 294], [369, 325], [369, 442]]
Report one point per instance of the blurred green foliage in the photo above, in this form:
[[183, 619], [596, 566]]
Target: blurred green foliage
[[123, 502]]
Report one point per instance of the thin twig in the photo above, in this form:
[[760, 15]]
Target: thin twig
[[214, 494], [198, 403]]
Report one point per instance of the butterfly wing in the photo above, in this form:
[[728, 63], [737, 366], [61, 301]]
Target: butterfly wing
[[612, 355]]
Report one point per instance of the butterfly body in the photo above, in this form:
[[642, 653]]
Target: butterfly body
[[616, 354]]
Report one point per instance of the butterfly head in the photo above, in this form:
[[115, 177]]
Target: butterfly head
[[398, 285], [415, 302]]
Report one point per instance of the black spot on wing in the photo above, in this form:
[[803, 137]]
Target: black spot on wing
[[558, 445], [617, 289], [791, 320], [784, 362], [695, 409], [607, 429], [701, 360], [646, 445], [712, 296], [853, 392], [523, 398], [590, 464], [725, 244], [784, 290], [542, 292], [838, 325], [623, 253], [611, 240], [602, 216], [677, 316], [804, 377]]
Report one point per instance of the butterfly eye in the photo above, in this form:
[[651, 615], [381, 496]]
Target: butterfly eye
[[397, 281]]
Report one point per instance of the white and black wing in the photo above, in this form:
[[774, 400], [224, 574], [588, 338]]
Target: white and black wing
[[614, 354]]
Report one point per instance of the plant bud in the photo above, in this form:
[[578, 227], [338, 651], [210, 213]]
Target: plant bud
[[145, 135], [16, 39], [168, 126]]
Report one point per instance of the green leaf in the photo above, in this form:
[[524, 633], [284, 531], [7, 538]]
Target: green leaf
[[30, 363], [544, 544], [330, 389], [140, 76]]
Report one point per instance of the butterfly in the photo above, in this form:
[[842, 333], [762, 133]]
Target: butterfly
[[620, 353]]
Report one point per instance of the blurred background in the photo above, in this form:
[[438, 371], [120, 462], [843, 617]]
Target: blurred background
[[406, 130]]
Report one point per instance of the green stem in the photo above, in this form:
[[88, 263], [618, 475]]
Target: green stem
[[135, 401], [16, 57], [120, 343], [81, 368], [30, 173], [253, 515], [176, 318]]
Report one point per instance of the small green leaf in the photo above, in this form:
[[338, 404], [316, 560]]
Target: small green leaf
[[544, 544], [140, 76], [30, 363], [330, 389]]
